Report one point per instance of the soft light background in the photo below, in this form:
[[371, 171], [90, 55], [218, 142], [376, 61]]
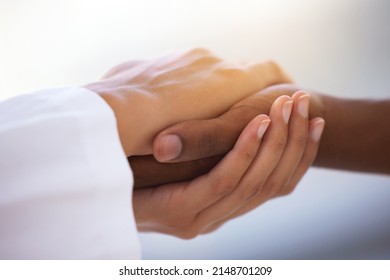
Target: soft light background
[[339, 47]]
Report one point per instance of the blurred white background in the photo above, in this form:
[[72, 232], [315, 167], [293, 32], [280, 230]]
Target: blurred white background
[[340, 47]]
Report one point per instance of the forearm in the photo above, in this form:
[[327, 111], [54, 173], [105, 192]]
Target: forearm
[[357, 132], [356, 135], [134, 121]]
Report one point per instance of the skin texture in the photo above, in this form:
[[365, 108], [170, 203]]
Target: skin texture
[[255, 170], [148, 96]]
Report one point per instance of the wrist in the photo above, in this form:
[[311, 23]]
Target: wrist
[[127, 114], [318, 105]]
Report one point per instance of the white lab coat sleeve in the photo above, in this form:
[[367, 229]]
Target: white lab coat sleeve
[[65, 183]]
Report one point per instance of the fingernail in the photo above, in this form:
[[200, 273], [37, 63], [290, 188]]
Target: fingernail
[[303, 105], [170, 147], [287, 107], [262, 128], [317, 131]]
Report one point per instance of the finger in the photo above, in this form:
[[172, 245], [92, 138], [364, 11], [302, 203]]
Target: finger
[[224, 178], [313, 143], [200, 193], [148, 172], [260, 169], [316, 128], [198, 139], [295, 147]]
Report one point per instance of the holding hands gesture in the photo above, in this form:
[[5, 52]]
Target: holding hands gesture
[[227, 137], [268, 160], [225, 155]]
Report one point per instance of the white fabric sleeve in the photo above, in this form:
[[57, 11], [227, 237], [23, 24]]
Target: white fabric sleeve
[[65, 183]]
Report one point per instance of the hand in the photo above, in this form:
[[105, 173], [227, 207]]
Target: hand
[[255, 170], [148, 96], [205, 138], [202, 143]]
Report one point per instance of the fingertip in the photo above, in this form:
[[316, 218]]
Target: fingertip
[[261, 118], [303, 103], [287, 109], [282, 99], [259, 123], [317, 128], [296, 95], [285, 104], [167, 147], [263, 126], [254, 130]]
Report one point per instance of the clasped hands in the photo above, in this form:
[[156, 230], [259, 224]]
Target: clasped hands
[[209, 140]]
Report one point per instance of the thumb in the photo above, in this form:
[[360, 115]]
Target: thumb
[[198, 139]]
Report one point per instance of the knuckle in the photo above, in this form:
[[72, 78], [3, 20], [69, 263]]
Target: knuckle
[[287, 191], [230, 72], [278, 71], [299, 140], [307, 160], [224, 187], [249, 192], [132, 63], [212, 228], [198, 50], [201, 56], [248, 154], [273, 188], [278, 144], [205, 59], [176, 222], [274, 66]]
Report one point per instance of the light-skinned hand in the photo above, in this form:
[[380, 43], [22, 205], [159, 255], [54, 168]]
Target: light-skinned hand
[[257, 169]]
